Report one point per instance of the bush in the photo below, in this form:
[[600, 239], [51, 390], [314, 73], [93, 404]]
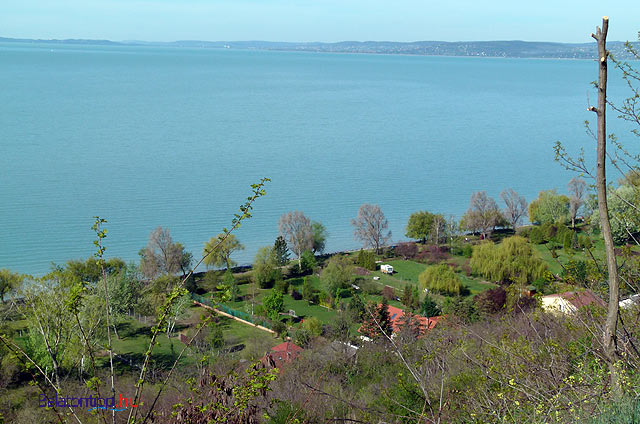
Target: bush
[[536, 236], [282, 286], [295, 294], [313, 326], [491, 301], [441, 279], [407, 250], [388, 293]]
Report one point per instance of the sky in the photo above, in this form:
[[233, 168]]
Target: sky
[[318, 20]]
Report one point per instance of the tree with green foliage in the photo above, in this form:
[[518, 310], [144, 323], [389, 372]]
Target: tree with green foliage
[[264, 267], [512, 261], [313, 326], [377, 321], [624, 214], [440, 279], [229, 281], [307, 290], [319, 237], [366, 259], [429, 308], [222, 255], [281, 251], [356, 308], [9, 281], [420, 225], [338, 274], [274, 304], [549, 207], [307, 262]]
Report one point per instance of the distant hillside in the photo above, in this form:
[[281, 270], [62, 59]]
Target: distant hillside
[[524, 49]]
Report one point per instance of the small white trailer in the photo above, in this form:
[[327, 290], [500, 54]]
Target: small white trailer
[[386, 269]]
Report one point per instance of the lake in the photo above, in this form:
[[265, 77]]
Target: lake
[[173, 137]]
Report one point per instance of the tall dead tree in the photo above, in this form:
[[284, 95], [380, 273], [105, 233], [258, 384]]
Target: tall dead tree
[[610, 345]]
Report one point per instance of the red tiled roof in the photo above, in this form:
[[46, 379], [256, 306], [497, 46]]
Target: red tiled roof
[[287, 347], [282, 354], [396, 315]]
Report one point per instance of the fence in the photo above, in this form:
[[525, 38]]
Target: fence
[[233, 312]]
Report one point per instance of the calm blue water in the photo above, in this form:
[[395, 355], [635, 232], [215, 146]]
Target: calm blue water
[[146, 136]]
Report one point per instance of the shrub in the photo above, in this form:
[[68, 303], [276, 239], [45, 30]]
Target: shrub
[[295, 294], [491, 301], [282, 286], [536, 236], [407, 250], [441, 279], [313, 326], [388, 293]]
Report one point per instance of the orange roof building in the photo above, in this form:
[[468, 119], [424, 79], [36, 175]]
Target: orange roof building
[[282, 354]]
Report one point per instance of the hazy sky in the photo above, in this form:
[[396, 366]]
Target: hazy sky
[[318, 20]]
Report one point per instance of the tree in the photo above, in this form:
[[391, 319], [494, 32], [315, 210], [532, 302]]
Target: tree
[[410, 327], [576, 190], [313, 326], [429, 308], [512, 261], [441, 279], [264, 266], [371, 227], [377, 321], [222, 255], [549, 207], [9, 281], [420, 225], [610, 330], [515, 207], [274, 304], [483, 214], [307, 262], [623, 218], [366, 259], [281, 251], [319, 237], [161, 255], [338, 274], [297, 230]]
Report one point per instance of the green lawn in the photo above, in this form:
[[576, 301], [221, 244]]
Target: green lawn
[[555, 264]]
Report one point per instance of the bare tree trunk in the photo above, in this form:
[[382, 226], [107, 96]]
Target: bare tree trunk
[[601, 184]]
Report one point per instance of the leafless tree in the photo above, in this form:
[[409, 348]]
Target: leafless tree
[[515, 206], [483, 214], [161, 255], [601, 184], [297, 229], [371, 227], [576, 190]]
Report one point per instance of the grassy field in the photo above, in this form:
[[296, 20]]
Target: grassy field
[[555, 264]]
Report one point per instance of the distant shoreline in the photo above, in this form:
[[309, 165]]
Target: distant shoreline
[[477, 49]]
